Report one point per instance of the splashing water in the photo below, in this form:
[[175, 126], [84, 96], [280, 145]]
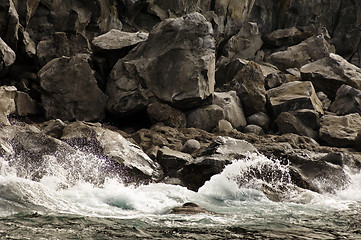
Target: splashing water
[[81, 191]]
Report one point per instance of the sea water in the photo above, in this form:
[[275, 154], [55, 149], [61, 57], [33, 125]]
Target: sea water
[[77, 199]]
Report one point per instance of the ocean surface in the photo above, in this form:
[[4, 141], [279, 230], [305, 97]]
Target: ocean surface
[[78, 200]]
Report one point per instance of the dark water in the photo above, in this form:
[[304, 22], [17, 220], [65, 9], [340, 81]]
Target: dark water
[[58, 208]]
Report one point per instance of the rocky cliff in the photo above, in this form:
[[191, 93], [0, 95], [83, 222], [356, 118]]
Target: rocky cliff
[[171, 89]]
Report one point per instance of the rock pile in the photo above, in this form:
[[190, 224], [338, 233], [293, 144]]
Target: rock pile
[[179, 78]]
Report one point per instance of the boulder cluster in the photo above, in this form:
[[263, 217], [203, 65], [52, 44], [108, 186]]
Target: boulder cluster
[[173, 91]]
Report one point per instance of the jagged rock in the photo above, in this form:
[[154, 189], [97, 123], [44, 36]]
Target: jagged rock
[[189, 208], [191, 146], [277, 79], [213, 159], [7, 55], [10, 24], [7, 103], [251, 128], [340, 131], [71, 91], [94, 138], [260, 119], [31, 149], [228, 69], [326, 102], [288, 123], [176, 64], [348, 100], [232, 108], [293, 96], [245, 43], [249, 85], [25, 105], [326, 177], [312, 49], [287, 36], [329, 73], [171, 160], [205, 118], [309, 117], [59, 45], [158, 112], [54, 128], [87, 18], [28, 44], [116, 39]]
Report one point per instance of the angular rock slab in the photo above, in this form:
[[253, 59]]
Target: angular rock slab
[[312, 49], [330, 73], [114, 146], [205, 118], [71, 90], [340, 131], [116, 39], [294, 96], [348, 100], [176, 64], [7, 55]]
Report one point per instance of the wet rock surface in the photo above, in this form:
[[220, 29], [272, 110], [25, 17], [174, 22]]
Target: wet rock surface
[[176, 90]]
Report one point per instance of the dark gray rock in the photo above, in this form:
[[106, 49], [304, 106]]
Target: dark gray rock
[[287, 36], [340, 131], [158, 112], [191, 146], [288, 123], [25, 105], [70, 90], [310, 50], [108, 143], [227, 69], [330, 73], [249, 85], [53, 128], [260, 119], [171, 160], [205, 118], [189, 208], [176, 64], [276, 79], [251, 128], [294, 96], [213, 159], [348, 100]]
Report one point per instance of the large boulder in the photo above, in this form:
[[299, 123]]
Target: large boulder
[[312, 49], [348, 100], [249, 85], [245, 43], [293, 96], [70, 90], [212, 160], [330, 72], [232, 108], [340, 131], [176, 64], [102, 141]]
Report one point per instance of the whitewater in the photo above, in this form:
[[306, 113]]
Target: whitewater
[[253, 198]]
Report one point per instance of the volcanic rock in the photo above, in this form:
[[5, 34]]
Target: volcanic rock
[[70, 90], [330, 73]]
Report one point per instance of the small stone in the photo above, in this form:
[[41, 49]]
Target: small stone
[[190, 146], [253, 129]]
